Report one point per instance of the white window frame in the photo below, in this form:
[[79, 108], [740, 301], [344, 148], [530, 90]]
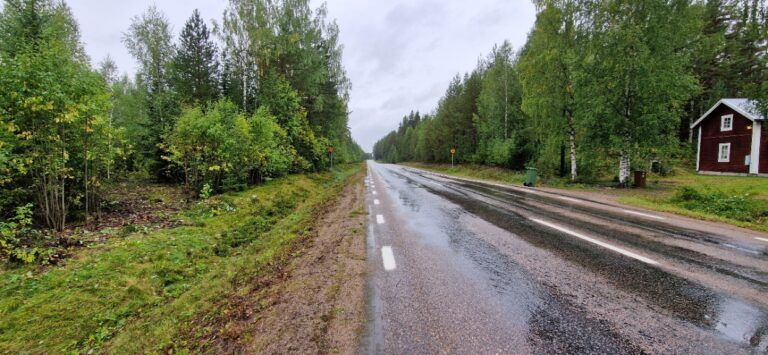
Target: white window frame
[[720, 158], [723, 127]]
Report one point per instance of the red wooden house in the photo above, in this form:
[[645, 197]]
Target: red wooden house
[[731, 139]]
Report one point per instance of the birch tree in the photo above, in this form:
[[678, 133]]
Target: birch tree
[[639, 77], [548, 68]]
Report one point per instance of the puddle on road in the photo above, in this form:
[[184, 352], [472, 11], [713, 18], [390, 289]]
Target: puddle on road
[[554, 325], [655, 226], [733, 319], [743, 323]]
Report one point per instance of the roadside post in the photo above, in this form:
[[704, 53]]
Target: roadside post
[[330, 155], [453, 152]]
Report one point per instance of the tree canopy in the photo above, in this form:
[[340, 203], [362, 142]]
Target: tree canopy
[[608, 84]]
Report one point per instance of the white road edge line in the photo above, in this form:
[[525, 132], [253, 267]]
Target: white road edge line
[[375, 201], [642, 214], [761, 239], [379, 219], [569, 199], [388, 258], [594, 241]]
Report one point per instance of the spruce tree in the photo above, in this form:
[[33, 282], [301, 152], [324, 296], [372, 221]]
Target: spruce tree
[[195, 66]]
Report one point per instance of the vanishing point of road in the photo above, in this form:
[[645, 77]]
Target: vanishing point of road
[[459, 266]]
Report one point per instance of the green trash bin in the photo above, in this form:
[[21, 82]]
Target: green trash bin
[[531, 174]]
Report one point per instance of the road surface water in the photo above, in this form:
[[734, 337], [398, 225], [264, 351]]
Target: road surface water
[[461, 266]]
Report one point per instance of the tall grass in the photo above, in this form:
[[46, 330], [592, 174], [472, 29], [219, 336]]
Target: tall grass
[[139, 293]]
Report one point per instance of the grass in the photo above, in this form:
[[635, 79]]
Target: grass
[[141, 293], [736, 200]]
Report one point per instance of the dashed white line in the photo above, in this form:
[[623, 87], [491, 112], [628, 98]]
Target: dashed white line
[[594, 241], [388, 258], [643, 214], [379, 219], [761, 239], [375, 201], [374, 192]]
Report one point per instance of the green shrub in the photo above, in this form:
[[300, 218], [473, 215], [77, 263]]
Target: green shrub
[[742, 207], [13, 234], [206, 191]]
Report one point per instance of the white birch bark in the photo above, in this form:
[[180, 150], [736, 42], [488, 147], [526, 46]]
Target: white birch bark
[[624, 169], [574, 169]]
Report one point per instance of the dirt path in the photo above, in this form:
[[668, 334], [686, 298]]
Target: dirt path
[[316, 304]]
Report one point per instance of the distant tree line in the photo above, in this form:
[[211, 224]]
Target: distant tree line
[[598, 84], [261, 94]]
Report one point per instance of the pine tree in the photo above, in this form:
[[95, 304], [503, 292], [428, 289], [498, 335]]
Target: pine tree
[[195, 67]]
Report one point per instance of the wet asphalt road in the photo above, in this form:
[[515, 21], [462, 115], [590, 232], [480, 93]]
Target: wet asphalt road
[[459, 266]]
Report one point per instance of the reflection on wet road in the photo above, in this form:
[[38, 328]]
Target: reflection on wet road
[[467, 267]]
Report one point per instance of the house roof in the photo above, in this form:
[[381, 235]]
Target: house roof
[[746, 107]]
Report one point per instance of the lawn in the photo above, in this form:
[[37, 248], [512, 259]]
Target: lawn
[[737, 200], [142, 292]]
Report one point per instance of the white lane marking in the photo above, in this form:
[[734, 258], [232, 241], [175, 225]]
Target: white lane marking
[[388, 258], [568, 199], [379, 219], [374, 192], [375, 201], [643, 214], [602, 244], [761, 239]]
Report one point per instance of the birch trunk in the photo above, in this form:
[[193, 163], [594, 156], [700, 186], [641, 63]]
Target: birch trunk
[[245, 92], [624, 169], [572, 144], [574, 168], [506, 100]]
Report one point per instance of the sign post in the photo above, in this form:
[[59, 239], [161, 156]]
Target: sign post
[[453, 152], [330, 155]]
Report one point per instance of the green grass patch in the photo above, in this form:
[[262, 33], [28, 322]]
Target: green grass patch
[[141, 292], [736, 200]]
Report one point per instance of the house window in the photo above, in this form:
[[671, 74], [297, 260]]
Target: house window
[[726, 123], [724, 153]]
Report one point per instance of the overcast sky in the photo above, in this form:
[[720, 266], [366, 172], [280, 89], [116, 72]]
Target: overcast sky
[[399, 54]]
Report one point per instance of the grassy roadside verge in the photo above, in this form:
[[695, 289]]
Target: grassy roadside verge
[[737, 200], [140, 293]]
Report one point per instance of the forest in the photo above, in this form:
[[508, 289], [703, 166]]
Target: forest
[[258, 94], [601, 87]]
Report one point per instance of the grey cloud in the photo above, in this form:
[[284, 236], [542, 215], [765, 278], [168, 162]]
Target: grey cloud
[[409, 14]]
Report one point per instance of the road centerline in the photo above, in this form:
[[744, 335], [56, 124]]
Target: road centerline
[[595, 241], [379, 219], [762, 239], [388, 258]]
